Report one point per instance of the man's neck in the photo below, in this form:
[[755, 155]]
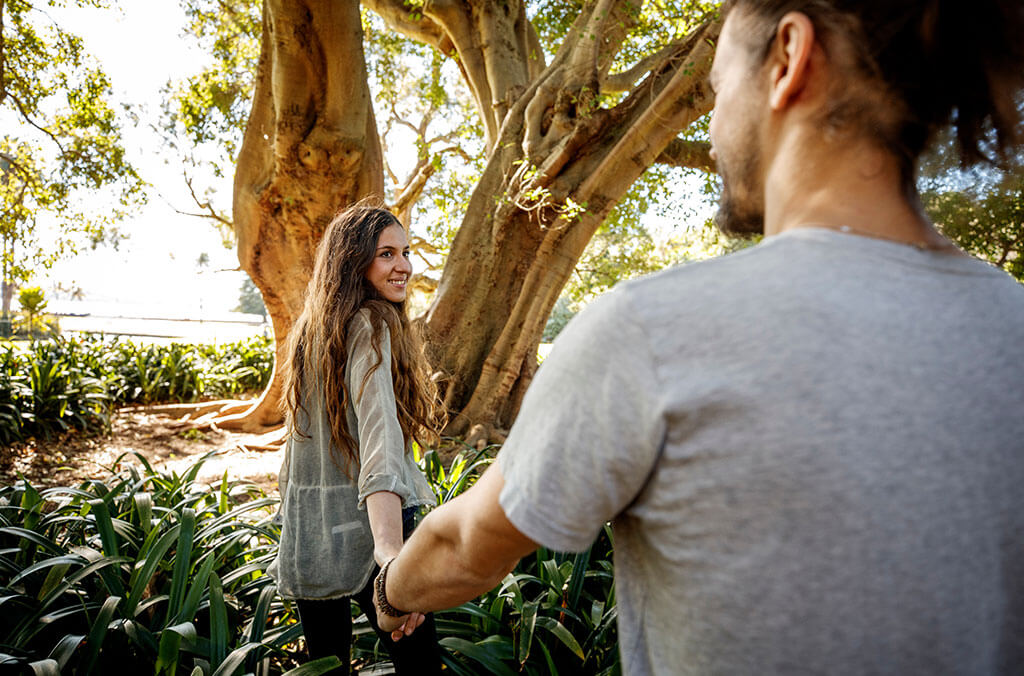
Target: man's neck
[[849, 186]]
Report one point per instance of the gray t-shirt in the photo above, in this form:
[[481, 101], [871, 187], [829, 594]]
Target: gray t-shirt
[[812, 455], [326, 548]]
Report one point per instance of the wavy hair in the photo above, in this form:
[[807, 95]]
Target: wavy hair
[[316, 353]]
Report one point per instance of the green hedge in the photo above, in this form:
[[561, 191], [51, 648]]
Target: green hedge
[[141, 573], [74, 383], [148, 572]]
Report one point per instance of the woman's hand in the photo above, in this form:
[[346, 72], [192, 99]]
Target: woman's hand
[[399, 627]]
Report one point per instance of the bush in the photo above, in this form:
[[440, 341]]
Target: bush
[[74, 383], [141, 573], [149, 572], [553, 614]]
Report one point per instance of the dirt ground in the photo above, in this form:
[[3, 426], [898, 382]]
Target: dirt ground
[[75, 457]]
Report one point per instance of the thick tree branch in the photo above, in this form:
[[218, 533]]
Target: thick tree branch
[[419, 27], [623, 81], [688, 155]]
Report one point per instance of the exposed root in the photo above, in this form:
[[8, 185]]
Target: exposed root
[[482, 435], [195, 410], [271, 441]]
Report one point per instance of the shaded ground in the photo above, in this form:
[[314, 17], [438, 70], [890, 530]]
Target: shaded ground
[[74, 457]]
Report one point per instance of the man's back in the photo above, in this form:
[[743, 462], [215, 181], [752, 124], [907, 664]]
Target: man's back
[[839, 485]]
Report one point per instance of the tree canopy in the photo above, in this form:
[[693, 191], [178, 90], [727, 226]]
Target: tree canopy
[[62, 142]]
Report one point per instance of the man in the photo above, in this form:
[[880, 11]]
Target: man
[[811, 451]]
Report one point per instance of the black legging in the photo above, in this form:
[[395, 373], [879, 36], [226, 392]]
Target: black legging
[[327, 625]]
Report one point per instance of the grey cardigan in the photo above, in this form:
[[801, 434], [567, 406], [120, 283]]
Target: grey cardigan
[[326, 548]]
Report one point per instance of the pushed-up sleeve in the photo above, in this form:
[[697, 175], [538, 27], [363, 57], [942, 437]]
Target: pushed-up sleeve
[[372, 392], [589, 431]]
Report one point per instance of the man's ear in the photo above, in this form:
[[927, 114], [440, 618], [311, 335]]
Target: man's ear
[[789, 59]]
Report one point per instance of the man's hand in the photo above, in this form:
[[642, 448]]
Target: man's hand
[[398, 627]]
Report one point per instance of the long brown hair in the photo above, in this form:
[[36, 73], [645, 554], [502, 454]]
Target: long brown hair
[[316, 352]]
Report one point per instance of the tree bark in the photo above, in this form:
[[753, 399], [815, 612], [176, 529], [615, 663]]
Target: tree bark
[[558, 163], [310, 148]]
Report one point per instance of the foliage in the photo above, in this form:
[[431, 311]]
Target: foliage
[[33, 303], [204, 115], [553, 614], [560, 316], [144, 572], [74, 383], [987, 222], [65, 142], [149, 571]]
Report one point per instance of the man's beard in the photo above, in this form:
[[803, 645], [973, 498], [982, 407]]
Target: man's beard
[[741, 205]]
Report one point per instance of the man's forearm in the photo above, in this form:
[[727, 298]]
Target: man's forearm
[[461, 550], [436, 569]]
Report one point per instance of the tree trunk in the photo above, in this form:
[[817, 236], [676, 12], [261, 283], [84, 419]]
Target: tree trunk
[[558, 163], [310, 148]]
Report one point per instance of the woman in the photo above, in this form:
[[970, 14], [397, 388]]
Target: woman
[[355, 397]]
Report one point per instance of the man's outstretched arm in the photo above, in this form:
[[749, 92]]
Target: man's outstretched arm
[[460, 550]]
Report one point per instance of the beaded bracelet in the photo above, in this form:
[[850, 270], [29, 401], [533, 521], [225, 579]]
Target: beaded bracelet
[[382, 599]]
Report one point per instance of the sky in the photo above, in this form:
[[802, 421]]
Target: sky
[[154, 272]]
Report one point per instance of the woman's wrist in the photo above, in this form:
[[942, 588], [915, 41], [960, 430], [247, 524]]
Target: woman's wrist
[[380, 593], [383, 554]]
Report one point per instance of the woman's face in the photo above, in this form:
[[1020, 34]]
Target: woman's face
[[390, 269]]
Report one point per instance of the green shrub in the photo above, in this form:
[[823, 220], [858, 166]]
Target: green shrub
[[74, 383], [553, 614], [142, 573], [149, 572]]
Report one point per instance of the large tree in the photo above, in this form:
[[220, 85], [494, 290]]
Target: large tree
[[563, 142], [310, 146]]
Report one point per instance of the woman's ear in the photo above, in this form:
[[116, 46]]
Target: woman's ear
[[789, 59]]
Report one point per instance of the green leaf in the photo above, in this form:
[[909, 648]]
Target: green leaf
[[562, 634], [182, 560], [527, 623], [45, 668], [170, 647], [99, 631], [150, 559], [315, 668], [481, 654], [197, 590], [218, 622], [258, 622]]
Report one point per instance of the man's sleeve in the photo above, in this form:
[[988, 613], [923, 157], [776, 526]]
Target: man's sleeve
[[589, 431]]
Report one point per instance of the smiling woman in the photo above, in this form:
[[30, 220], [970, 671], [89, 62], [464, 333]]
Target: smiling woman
[[356, 397]]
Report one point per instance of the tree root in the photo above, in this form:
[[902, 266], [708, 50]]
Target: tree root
[[480, 435], [226, 415]]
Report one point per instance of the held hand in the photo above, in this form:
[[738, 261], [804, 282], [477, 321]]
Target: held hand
[[399, 627], [390, 621]]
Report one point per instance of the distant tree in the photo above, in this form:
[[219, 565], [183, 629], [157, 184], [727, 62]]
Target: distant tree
[[61, 141], [981, 209], [33, 303], [988, 223], [250, 300]]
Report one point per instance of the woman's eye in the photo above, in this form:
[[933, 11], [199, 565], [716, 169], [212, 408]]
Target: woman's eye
[[407, 254], [386, 254]]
